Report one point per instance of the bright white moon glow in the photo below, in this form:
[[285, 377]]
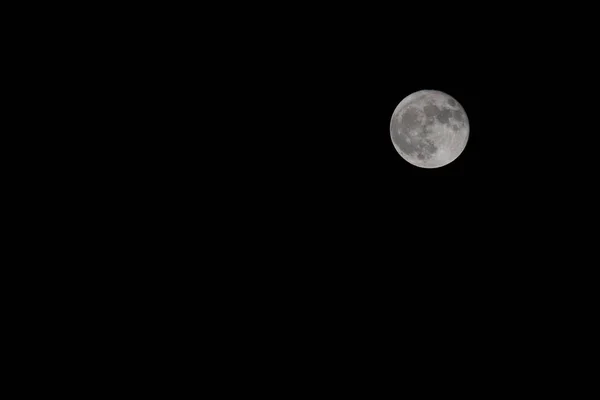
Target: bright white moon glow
[[429, 129]]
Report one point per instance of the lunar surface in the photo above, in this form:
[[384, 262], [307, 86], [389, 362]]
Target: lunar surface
[[429, 129]]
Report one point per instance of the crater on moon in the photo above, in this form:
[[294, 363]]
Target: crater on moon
[[429, 129]]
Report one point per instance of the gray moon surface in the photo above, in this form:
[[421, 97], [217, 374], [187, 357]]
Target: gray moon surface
[[429, 129]]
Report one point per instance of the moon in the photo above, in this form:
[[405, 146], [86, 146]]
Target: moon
[[429, 129]]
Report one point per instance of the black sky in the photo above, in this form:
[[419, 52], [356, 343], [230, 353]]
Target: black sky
[[321, 96]]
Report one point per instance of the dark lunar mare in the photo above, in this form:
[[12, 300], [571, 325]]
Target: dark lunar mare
[[458, 115], [431, 110], [444, 115]]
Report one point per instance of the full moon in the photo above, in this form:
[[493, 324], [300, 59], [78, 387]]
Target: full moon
[[429, 129]]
